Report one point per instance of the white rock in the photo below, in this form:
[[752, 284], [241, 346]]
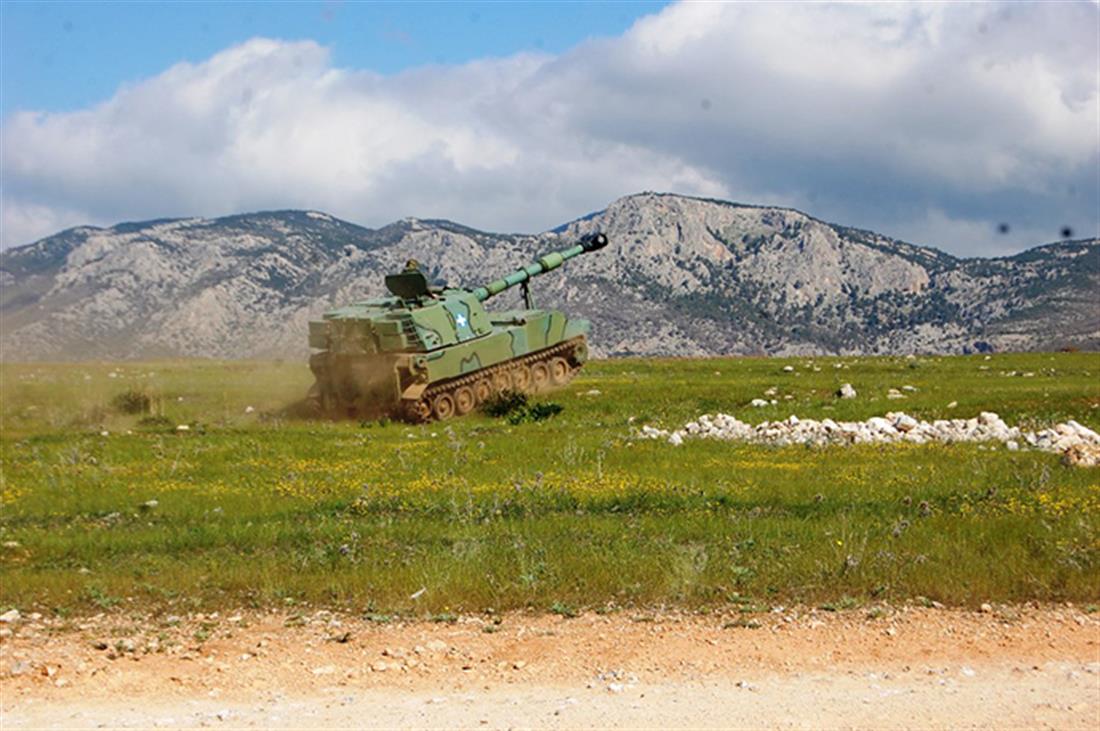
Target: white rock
[[1084, 432], [788, 369], [846, 391], [989, 418], [880, 424], [905, 423], [12, 615], [758, 402]]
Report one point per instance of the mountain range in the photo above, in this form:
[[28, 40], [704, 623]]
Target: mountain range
[[681, 276]]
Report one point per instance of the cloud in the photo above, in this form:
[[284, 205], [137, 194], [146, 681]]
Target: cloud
[[920, 121], [972, 236]]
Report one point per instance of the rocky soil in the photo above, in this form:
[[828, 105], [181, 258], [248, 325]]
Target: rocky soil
[[682, 276], [876, 667]]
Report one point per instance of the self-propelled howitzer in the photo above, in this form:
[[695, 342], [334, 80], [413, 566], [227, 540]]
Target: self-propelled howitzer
[[432, 352]]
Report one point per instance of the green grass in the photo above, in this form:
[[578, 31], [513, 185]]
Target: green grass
[[564, 514]]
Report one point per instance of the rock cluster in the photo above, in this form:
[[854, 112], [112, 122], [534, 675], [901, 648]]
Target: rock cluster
[[894, 427], [1082, 455]]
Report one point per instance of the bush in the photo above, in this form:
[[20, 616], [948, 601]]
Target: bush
[[537, 412], [513, 406], [132, 401], [505, 403]]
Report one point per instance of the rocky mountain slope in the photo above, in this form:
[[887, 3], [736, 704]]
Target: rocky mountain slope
[[681, 276]]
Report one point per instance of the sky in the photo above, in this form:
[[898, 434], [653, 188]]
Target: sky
[[972, 127]]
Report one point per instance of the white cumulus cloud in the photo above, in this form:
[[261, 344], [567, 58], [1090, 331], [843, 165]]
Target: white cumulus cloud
[[916, 120]]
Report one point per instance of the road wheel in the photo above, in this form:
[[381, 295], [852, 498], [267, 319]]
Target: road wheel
[[580, 353], [464, 400], [540, 376], [521, 378], [483, 390], [502, 381], [559, 371], [443, 407], [417, 412]]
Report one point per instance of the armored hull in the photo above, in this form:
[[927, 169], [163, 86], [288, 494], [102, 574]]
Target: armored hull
[[432, 353]]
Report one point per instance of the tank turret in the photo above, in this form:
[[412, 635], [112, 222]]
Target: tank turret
[[434, 352]]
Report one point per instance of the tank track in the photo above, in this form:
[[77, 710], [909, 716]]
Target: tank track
[[494, 379]]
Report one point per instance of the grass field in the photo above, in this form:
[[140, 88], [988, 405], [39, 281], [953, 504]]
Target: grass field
[[253, 509]]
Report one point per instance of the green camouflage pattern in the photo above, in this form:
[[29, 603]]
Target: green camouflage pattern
[[375, 356]]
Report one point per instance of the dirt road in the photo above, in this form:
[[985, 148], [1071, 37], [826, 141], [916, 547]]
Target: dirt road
[[883, 668]]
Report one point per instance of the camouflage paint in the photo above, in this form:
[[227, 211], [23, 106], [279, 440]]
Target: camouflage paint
[[376, 353]]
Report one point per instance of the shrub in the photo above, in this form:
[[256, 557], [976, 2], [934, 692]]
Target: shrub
[[505, 403], [537, 412], [132, 401], [513, 406]]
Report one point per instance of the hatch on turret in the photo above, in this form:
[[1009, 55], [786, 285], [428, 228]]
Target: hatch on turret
[[408, 285]]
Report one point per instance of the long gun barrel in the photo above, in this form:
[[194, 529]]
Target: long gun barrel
[[591, 242]]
